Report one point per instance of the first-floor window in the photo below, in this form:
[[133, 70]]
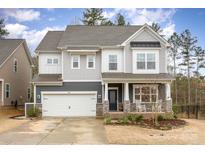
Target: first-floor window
[[7, 90], [146, 93], [29, 93], [75, 62], [112, 62]]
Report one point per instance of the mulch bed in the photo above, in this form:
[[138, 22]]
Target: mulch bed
[[164, 124], [167, 124]]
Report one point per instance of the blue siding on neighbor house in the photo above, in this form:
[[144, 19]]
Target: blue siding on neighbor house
[[72, 86]]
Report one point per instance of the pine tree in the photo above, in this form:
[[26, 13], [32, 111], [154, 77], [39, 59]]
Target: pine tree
[[107, 23], [93, 16], [199, 56], [120, 20], [3, 31], [174, 53], [156, 27], [187, 43]]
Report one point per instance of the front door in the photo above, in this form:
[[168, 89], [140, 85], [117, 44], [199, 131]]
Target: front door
[[112, 96]]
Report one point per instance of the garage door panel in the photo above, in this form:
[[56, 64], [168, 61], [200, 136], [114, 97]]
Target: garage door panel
[[69, 105]]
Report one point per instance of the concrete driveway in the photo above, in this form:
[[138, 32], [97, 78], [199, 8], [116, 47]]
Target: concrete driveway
[[57, 131]]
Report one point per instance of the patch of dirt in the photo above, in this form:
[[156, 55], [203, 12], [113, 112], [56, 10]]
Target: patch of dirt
[[149, 123], [164, 124], [192, 133], [6, 123]]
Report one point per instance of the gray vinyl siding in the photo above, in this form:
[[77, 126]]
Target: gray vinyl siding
[[72, 86], [83, 73], [144, 36]]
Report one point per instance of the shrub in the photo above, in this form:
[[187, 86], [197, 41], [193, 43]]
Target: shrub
[[139, 118], [160, 118], [132, 118], [124, 120], [108, 120], [174, 109], [168, 116], [33, 112]]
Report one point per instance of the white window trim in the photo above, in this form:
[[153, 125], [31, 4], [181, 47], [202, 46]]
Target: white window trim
[[117, 70], [147, 71], [87, 61], [9, 90], [145, 85], [15, 60], [72, 56]]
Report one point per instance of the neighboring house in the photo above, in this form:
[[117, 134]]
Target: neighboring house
[[15, 72], [93, 70]]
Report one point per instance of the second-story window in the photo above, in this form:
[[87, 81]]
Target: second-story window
[[112, 62], [15, 65], [151, 61], [55, 61], [75, 62], [90, 61], [141, 61], [146, 61], [49, 61]]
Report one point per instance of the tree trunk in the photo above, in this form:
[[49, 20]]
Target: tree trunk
[[175, 83], [189, 87]]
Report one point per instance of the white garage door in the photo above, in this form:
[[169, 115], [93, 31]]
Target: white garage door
[[69, 105]]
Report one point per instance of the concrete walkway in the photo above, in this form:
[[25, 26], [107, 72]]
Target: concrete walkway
[[57, 131]]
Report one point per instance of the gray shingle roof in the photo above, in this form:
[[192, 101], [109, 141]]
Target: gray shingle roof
[[50, 41], [7, 46], [96, 35], [47, 78], [161, 76]]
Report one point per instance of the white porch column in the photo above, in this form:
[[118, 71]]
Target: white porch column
[[126, 104], [126, 91], [106, 91], [168, 98], [168, 91]]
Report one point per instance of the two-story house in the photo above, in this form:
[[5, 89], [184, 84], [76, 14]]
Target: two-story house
[[94, 70], [15, 72]]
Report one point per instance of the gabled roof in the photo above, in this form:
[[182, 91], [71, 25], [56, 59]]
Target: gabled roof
[[8, 46], [82, 36], [50, 41], [75, 35]]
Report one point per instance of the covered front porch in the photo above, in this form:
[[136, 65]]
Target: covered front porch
[[141, 96]]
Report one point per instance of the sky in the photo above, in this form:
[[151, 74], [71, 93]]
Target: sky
[[32, 24]]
